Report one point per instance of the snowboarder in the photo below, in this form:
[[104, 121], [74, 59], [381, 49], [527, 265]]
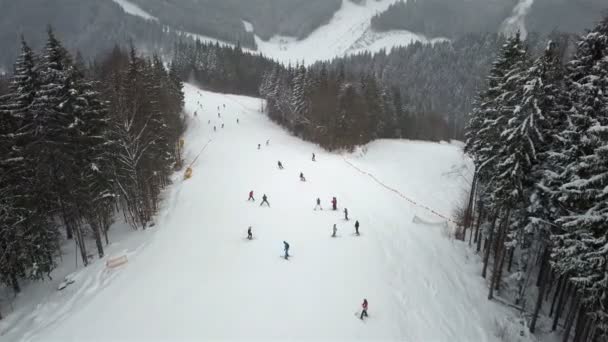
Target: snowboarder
[[264, 200], [280, 165], [249, 234], [251, 196], [314, 157], [334, 204], [302, 177], [286, 248], [345, 214], [364, 307], [357, 227], [335, 230], [318, 204]]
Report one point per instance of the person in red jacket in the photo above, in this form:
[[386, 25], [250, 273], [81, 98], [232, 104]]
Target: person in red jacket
[[334, 203], [364, 306], [251, 196]]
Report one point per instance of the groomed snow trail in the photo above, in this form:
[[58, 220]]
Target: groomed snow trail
[[198, 278]]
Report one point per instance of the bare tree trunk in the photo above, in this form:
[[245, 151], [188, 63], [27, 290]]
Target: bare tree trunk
[[570, 320], [551, 282], [478, 224], [469, 211], [558, 293], [486, 257], [500, 252], [15, 283], [95, 226], [560, 305], [511, 253], [543, 277], [580, 323]]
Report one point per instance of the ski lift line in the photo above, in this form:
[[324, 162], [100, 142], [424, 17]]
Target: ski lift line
[[199, 154], [432, 211]]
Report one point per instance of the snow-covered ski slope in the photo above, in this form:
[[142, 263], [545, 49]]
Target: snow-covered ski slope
[[195, 276], [348, 32]]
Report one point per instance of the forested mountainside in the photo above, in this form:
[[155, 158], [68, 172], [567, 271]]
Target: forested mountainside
[[223, 19], [454, 18], [90, 26]]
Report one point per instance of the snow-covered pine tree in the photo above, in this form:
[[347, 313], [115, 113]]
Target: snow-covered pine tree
[[28, 240], [581, 245]]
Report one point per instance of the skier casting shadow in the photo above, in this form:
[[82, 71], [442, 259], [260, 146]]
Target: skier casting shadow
[[364, 309], [264, 200], [249, 234], [318, 206], [302, 178], [286, 248]]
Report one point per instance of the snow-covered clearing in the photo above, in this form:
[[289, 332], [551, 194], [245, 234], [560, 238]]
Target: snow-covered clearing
[[194, 276], [347, 32], [133, 9]]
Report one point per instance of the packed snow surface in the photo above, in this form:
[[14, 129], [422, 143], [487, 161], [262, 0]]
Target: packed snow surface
[[194, 276], [135, 10]]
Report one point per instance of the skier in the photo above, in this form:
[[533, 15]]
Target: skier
[[249, 234], [318, 204], [280, 165], [335, 231], [345, 214], [224, 105], [222, 125], [195, 113], [209, 122], [364, 307], [264, 200], [219, 115], [302, 177], [314, 157], [251, 196], [267, 142], [334, 204], [237, 121], [214, 129], [259, 146], [357, 227], [286, 248]]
